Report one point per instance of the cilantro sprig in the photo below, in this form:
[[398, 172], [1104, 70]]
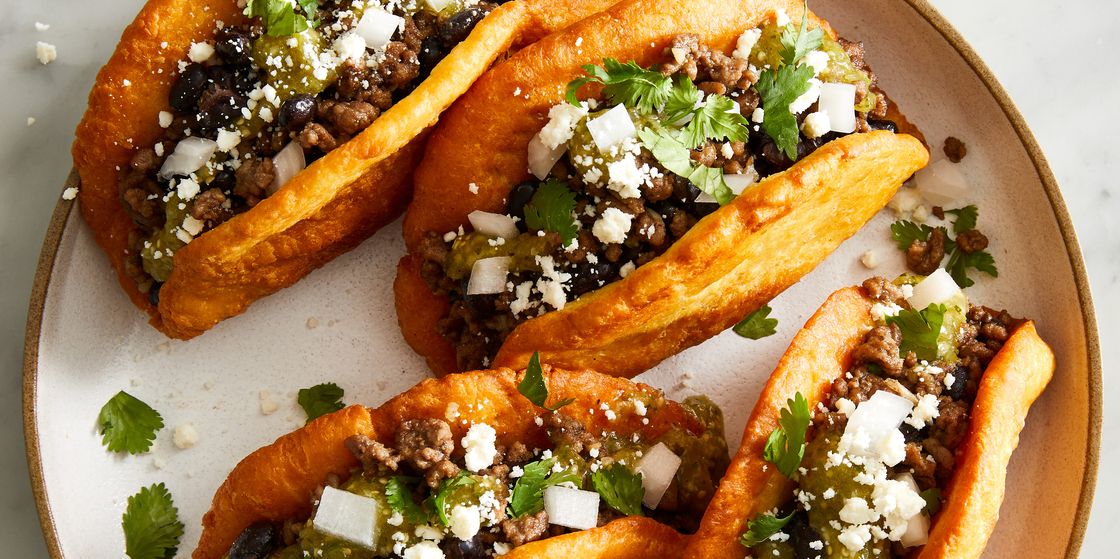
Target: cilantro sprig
[[779, 89], [151, 524], [550, 209], [756, 325], [717, 118], [625, 84], [786, 446], [320, 399], [762, 527], [932, 497], [128, 424], [674, 156], [620, 487], [528, 491], [280, 16], [797, 42], [398, 492], [532, 385], [920, 329], [437, 501], [960, 262]]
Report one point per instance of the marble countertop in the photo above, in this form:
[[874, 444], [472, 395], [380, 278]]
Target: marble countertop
[[1062, 79]]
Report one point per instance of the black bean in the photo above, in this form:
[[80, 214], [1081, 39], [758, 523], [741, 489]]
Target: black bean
[[296, 112], [518, 198], [431, 52], [221, 76], [244, 80], [153, 294], [474, 548], [801, 537], [882, 125], [233, 46], [587, 277], [224, 181], [911, 433], [187, 88], [256, 541], [455, 29], [960, 383], [218, 108]]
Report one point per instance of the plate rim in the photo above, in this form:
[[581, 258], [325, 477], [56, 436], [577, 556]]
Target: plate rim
[[63, 208]]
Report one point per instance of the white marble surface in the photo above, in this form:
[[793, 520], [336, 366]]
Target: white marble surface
[[1054, 58]]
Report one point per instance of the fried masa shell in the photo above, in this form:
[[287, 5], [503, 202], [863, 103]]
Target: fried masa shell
[[820, 353], [325, 210], [727, 266], [276, 482]]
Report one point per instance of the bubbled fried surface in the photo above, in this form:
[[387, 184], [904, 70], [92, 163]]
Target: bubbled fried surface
[[325, 210], [820, 353], [276, 482]]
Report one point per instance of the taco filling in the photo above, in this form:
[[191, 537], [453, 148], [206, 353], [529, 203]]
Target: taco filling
[[432, 496], [880, 448], [621, 177], [262, 99]]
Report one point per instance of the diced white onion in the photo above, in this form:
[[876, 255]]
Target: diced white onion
[[488, 276], [917, 530], [286, 164], [942, 183], [839, 101], [541, 158], [493, 225], [378, 26], [738, 183], [877, 417], [347, 516], [658, 467], [936, 288], [571, 508], [437, 5], [611, 127], [190, 154]]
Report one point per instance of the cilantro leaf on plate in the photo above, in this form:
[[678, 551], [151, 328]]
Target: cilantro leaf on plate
[[151, 524], [528, 491], [965, 218], [625, 84], [960, 261], [717, 118], [532, 385], [398, 492], [320, 399], [756, 325], [550, 209], [674, 156], [761, 527], [920, 330], [786, 446], [280, 17], [796, 43], [780, 88], [620, 487], [906, 232], [128, 424]]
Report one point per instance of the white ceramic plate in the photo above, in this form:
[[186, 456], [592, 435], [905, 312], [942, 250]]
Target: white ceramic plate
[[86, 341]]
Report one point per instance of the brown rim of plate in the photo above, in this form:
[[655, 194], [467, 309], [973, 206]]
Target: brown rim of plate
[[926, 11]]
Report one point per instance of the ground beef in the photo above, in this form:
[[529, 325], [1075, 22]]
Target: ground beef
[[142, 199], [702, 64], [423, 443], [253, 179], [884, 291], [857, 386], [881, 348], [209, 207], [924, 468], [924, 257], [316, 136], [444, 469], [971, 240], [528, 528], [373, 455], [954, 149], [347, 118], [565, 431]]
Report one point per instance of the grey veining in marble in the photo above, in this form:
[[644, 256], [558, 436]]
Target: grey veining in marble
[[1055, 58]]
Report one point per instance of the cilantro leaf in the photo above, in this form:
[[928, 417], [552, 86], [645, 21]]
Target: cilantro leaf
[[528, 492], [796, 43], [128, 424], [965, 218], [625, 84], [905, 233], [437, 501], [280, 17], [780, 88], [674, 156], [550, 209], [320, 399], [932, 497], [532, 386], [311, 9], [398, 492], [920, 330], [756, 326], [761, 527], [620, 487], [682, 100], [960, 261], [717, 118], [786, 446], [151, 524]]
